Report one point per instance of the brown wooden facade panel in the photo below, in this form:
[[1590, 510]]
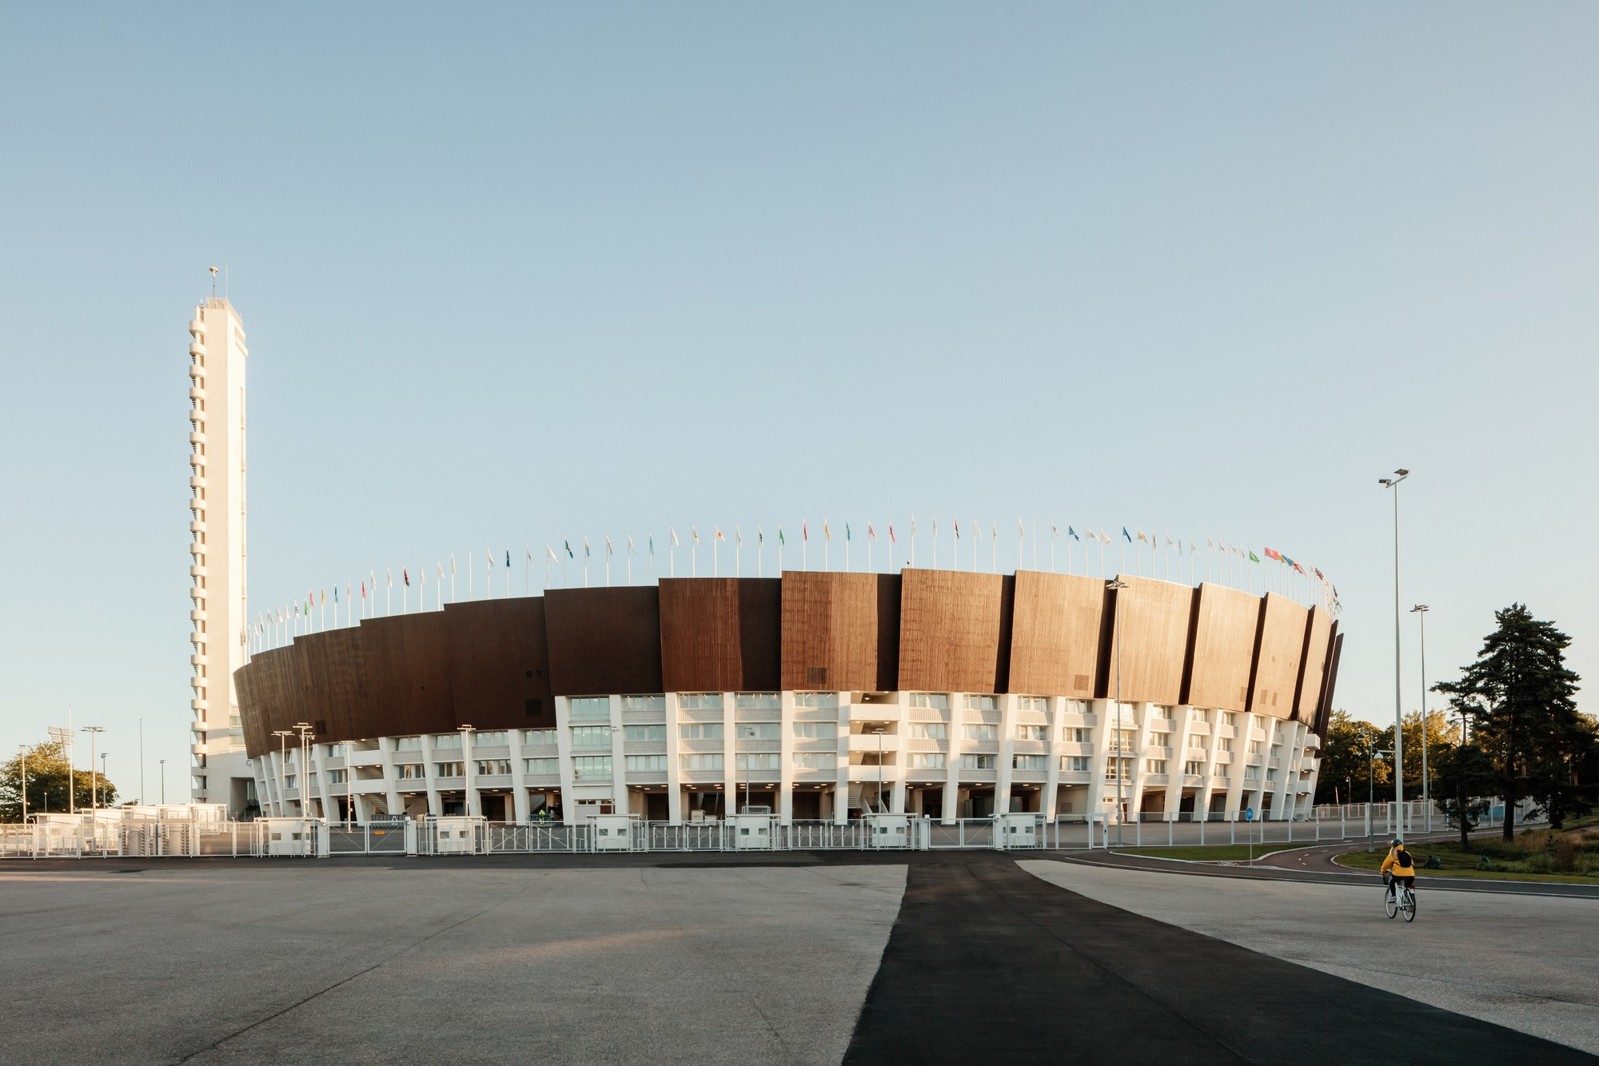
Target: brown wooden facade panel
[[721, 634], [499, 670], [408, 670], [1313, 667], [1151, 625], [839, 632], [954, 633], [266, 698], [604, 640], [1329, 683], [1056, 627], [1282, 642], [1224, 646]]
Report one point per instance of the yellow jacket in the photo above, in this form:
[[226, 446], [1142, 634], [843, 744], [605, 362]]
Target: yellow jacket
[[1391, 863]]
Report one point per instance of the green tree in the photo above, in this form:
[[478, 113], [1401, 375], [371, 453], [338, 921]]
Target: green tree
[[1462, 776], [1520, 699], [1439, 734], [1345, 767], [47, 784]]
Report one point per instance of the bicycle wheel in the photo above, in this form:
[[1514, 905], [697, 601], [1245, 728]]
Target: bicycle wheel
[[1410, 906], [1390, 904]]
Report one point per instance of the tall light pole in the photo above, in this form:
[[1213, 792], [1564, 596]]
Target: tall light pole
[[163, 782], [748, 731], [1116, 604], [64, 738], [23, 748], [1420, 611], [103, 755], [306, 736], [466, 732], [94, 732], [1399, 713], [879, 729], [283, 736]]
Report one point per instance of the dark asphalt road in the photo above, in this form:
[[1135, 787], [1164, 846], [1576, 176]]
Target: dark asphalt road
[[989, 964]]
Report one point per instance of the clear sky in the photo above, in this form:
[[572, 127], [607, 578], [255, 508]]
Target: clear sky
[[518, 273]]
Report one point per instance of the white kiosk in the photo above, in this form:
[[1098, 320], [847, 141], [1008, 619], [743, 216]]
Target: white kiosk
[[614, 832], [752, 832], [1016, 830], [889, 830], [455, 835]]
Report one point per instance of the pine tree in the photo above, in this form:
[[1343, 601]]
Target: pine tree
[[1520, 699]]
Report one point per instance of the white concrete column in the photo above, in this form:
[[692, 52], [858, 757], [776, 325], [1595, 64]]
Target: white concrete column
[[1287, 767], [899, 750], [429, 777], [674, 769], [1135, 787], [521, 809], [952, 766], [841, 714], [1053, 744], [563, 751], [1099, 735], [1007, 750], [733, 797], [1235, 765], [1212, 750], [468, 786], [391, 794], [785, 759], [1182, 729], [620, 795]]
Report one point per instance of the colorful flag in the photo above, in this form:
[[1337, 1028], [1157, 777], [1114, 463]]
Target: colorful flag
[[452, 564], [550, 551], [1272, 553], [827, 531], [335, 595], [609, 551], [441, 571], [738, 535], [406, 575], [489, 555], [1072, 533], [891, 539], [1129, 536], [567, 544], [871, 534], [508, 558], [1253, 557], [587, 551], [363, 590], [694, 532], [718, 531], [847, 534], [957, 527], [630, 544], [805, 530], [675, 542]]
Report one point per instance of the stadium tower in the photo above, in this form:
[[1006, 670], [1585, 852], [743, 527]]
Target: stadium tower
[[217, 549]]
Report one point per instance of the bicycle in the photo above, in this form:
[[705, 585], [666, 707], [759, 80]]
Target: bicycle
[[1401, 899]]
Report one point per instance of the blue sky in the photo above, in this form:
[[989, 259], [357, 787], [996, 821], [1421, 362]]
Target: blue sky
[[514, 274]]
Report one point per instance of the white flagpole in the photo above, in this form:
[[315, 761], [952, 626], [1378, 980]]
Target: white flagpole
[[469, 579]]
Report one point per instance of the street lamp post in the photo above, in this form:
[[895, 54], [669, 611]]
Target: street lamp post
[[163, 782], [283, 736], [94, 732], [1399, 714], [23, 748], [64, 738], [1420, 611], [103, 755], [466, 732], [1121, 804], [306, 736]]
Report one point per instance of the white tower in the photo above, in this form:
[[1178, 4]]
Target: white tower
[[217, 547]]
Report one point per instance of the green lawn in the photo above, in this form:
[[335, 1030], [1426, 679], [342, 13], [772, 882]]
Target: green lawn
[[1535, 855], [1210, 852]]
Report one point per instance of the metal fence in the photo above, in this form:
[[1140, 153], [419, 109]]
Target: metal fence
[[89, 836]]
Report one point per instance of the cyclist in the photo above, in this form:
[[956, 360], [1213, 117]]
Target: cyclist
[[1399, 866]]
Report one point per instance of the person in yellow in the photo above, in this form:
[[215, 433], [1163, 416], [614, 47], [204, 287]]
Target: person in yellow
[[1398, 866]]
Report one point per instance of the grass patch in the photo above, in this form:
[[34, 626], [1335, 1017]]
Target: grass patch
[[1210, 852], [1534, 855]]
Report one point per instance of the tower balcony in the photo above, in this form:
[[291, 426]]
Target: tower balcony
[[197, 615], [196, 328], [196, 392], [197, 347], [198, 659], [197, 436], [197, 525]]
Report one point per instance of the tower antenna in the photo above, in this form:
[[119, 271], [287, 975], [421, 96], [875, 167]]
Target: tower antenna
[[213, 283]]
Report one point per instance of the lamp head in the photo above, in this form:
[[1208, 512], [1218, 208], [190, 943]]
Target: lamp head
[[1420, 607]]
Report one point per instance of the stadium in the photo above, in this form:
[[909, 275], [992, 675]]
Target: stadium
[[814, 695]]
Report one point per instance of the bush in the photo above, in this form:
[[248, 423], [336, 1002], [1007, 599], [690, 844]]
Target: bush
[[1563, 853], [1540, 862]]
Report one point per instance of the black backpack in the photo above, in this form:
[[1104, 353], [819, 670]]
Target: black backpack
[[1403, 860]]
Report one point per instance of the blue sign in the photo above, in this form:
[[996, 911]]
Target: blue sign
[[1249, 814]]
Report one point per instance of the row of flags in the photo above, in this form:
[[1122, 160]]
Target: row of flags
[[367, 589]]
